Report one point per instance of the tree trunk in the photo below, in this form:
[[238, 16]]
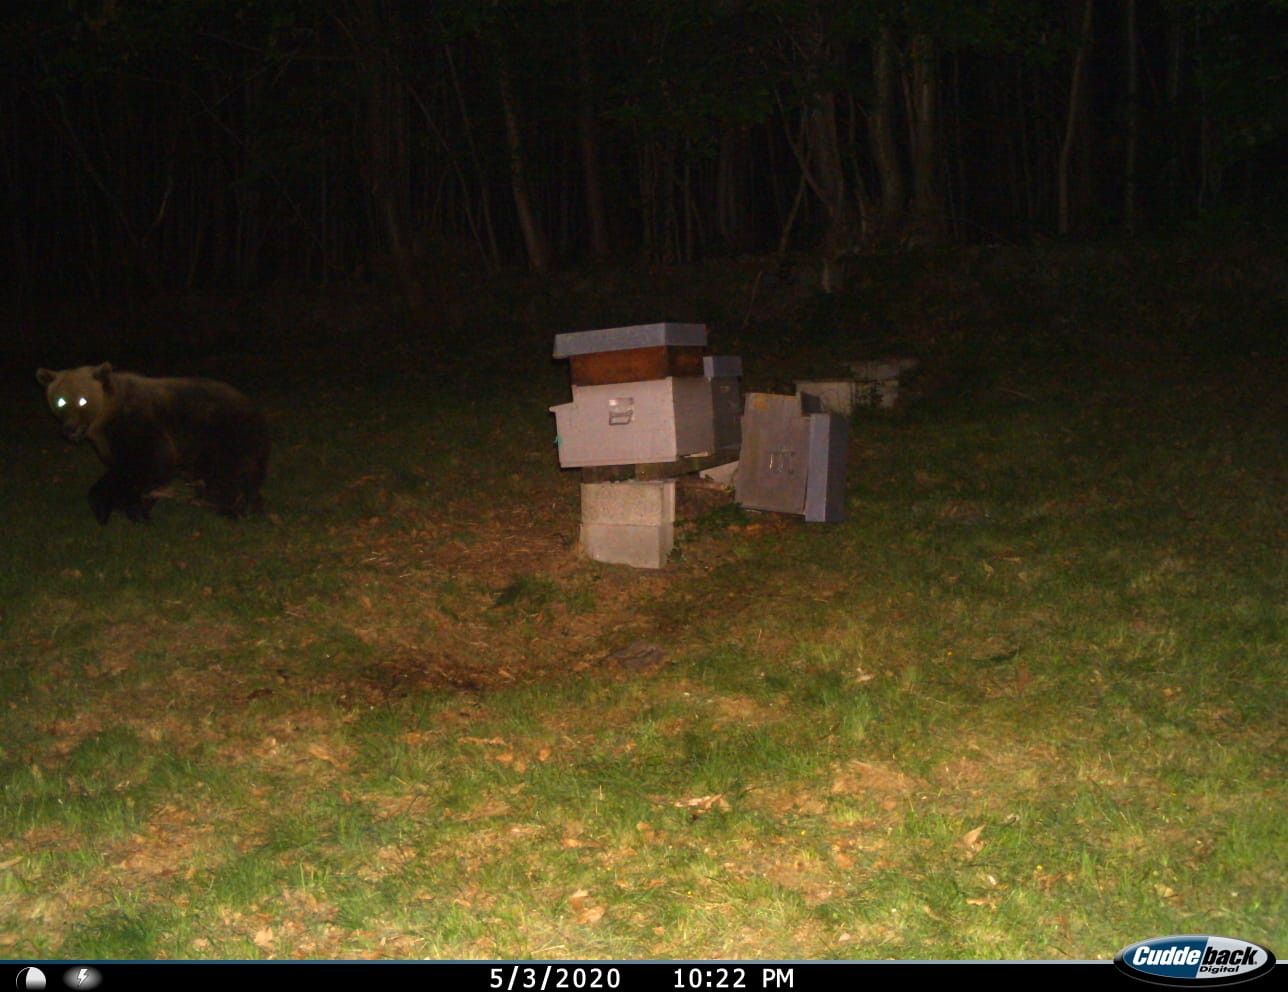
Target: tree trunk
[[533, 239], [885, 152], [1073, 120], [824, 158], [493, 253], [1175, 44], [588, 137], [927, 190], [1133, 118]]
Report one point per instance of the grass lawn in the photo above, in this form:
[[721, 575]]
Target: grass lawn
[[1026, 703]]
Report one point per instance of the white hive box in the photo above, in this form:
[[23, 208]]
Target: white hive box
[[635, 423]]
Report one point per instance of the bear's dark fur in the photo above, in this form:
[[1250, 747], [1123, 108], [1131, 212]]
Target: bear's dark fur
[[150, 431]]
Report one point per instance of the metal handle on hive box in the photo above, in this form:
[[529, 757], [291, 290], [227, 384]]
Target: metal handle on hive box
[[620, 411]]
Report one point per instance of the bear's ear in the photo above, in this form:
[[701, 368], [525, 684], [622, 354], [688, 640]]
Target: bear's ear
[[44, 376], [104, 375]]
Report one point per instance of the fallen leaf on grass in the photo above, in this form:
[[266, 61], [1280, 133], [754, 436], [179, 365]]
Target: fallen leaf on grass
[[263, 938], [492, 741], [581, 901], [971, 840], [323, 753], [704, 804]]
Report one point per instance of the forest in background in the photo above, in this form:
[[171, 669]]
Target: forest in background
[[223, 145]]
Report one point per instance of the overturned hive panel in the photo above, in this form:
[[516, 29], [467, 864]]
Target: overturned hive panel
[[774, 460]]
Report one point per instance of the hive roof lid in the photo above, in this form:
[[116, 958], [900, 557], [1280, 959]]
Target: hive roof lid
[[635, 336]]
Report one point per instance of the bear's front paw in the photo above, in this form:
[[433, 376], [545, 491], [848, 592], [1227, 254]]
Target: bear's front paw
[[140, 512]]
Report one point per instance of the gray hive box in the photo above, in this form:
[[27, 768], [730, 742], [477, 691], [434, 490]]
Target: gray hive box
[[666, 335], [635, 423], [725, 373], [793, 458]]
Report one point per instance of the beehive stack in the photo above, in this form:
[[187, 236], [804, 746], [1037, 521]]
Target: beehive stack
[[642, 395]]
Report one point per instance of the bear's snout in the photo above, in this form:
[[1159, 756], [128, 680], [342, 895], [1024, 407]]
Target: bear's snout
[[74, 432]]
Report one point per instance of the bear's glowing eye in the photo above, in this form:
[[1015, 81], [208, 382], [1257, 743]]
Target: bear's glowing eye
[[61, 402], [82, 401]]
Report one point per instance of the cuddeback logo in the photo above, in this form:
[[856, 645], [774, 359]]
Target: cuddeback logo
[[1195, 960]]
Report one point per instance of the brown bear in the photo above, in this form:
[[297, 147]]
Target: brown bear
[[150, 431]]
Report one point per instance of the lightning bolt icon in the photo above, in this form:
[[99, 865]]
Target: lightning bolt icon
[[81, 977]]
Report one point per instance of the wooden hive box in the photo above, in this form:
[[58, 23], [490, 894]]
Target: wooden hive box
[[632, 354]]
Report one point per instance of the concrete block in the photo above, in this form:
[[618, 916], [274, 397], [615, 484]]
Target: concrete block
[[638, 545], [834, 395], [646, 504], [880, 369]]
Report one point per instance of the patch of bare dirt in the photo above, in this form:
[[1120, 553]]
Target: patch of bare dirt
[[888, 786], [486, 634], [168, 845]]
